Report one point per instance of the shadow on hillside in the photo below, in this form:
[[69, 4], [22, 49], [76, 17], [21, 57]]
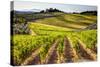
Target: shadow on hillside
[[72, 22], [90, 19]]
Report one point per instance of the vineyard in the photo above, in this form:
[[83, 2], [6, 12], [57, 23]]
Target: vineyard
[[54, 40]]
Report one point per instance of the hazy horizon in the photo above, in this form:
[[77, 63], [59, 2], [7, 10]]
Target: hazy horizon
[[29, 5]]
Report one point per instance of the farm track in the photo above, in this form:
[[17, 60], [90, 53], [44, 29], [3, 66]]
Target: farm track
[[86, 53], [33, 58], [70, 54], [51, 57]]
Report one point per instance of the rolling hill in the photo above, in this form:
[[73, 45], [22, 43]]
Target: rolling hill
[[55, 37]]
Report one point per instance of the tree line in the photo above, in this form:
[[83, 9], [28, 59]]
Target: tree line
[[50, 10], [89, 12]]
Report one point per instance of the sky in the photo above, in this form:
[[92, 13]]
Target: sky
[[28, 5]]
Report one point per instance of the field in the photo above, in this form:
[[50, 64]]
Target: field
[[61, 38]]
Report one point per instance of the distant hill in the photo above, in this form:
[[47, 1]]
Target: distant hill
[[27, 11], [22, 12]]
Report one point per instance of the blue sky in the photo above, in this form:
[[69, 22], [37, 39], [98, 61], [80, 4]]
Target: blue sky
[[28, 5]]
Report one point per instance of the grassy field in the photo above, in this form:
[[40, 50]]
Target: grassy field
[[71, 21], [56, 40]]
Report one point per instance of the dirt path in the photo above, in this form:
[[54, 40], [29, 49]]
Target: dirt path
[[86, 52], [51, 57], [32, 32], [33, 58], [69, 52]]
